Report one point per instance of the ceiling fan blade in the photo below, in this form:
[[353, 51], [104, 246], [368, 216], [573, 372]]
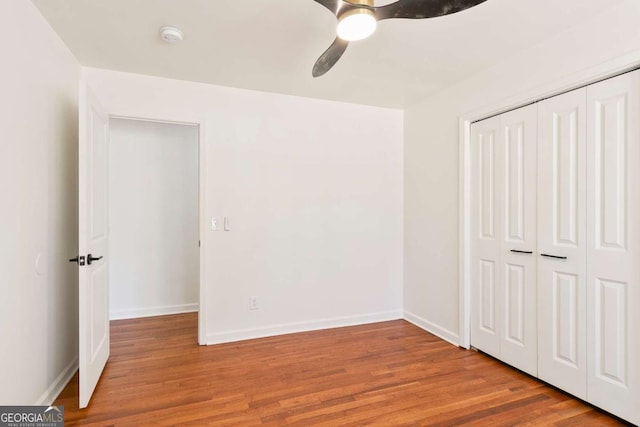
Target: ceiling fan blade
[[330, 56], [332, 5], [420, 9]]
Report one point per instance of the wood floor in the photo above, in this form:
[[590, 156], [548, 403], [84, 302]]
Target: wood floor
[[383, 374]]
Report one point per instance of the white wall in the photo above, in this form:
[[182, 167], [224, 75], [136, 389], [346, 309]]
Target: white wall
[[153, 218], [38, 213], [314, 193], [431, 149]]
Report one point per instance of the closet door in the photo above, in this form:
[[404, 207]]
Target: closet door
[[485, 235], [613, 239], [562, 242], [518, 342]]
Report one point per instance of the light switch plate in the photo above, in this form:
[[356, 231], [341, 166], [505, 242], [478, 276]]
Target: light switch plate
[[214, 224]]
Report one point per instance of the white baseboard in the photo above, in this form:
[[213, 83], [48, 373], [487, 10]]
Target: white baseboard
[[289, 328], [432, 328], [59, 383], [152, 311]]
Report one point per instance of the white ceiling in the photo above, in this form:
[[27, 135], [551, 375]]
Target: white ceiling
[[271, 45]]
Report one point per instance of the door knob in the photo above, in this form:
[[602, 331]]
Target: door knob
[[91, 258]]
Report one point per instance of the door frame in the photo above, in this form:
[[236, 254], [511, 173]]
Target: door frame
[[202, 323], [552, 88]]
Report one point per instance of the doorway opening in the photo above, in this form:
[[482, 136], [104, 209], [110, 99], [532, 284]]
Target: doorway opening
[[153, 174]]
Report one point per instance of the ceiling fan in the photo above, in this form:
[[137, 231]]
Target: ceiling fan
[[357, 20]]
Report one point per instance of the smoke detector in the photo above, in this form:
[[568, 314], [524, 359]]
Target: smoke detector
[[171, 34]]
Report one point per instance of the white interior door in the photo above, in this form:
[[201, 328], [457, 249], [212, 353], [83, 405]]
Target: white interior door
[[486, 299], [503, 200], [613, 239], [93, 243], [562, 242], [518, 342]]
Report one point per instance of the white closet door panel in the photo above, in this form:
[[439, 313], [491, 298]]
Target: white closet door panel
[[613, 239], [485, 231], [562, 233], [518, 344]]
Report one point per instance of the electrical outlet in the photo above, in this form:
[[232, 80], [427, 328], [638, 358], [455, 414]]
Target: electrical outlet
[[253, 303], [214, 224]]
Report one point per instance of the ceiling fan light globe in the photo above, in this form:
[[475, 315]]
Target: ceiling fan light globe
[[356, 25]]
